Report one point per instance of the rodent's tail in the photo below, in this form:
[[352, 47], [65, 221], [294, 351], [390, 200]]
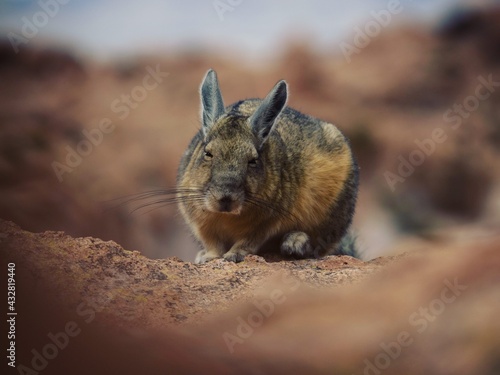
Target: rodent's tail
[[348, 246]]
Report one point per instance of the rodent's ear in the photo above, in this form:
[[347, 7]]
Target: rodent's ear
[[212, 105], [264, 118]]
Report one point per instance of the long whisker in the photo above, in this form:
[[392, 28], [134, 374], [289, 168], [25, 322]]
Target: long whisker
[[159, 205], [147, 194], [171, 196], [168, 201], [165, 197]]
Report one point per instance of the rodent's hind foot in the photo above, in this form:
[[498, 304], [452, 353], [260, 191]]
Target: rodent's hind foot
[[204, 256], [235, 256], [297, 244]]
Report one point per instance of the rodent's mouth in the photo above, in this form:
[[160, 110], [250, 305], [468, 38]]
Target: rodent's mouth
[[224, 205]]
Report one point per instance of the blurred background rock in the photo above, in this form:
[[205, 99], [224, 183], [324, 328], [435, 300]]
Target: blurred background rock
[[76, 61]]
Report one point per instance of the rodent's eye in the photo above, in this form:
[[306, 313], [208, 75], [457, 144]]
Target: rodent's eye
[[253, 162], [208, 155]]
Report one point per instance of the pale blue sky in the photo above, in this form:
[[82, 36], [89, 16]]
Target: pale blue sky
[[255, 28]]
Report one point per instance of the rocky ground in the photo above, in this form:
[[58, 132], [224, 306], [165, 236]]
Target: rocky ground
[[113, 311]]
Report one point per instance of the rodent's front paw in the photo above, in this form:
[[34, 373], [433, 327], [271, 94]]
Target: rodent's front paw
[[297, 244], [235, 256], [204, 256]]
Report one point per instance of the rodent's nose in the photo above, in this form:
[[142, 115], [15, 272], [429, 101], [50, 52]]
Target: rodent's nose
[[226, 193], [225, 203]]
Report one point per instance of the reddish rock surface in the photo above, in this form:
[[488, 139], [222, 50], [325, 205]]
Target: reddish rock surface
[[335, 315]]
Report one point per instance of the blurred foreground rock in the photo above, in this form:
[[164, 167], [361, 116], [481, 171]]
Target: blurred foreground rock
[[89, 306]]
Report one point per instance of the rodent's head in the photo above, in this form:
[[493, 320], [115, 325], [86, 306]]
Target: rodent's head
[[230, 166]]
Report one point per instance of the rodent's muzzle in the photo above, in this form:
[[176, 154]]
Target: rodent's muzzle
[[225, 198], [224, 203]]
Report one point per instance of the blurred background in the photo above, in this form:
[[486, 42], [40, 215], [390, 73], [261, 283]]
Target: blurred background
[[99, 99]]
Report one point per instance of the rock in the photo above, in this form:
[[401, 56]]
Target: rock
[[105, 310], [163, 291]]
